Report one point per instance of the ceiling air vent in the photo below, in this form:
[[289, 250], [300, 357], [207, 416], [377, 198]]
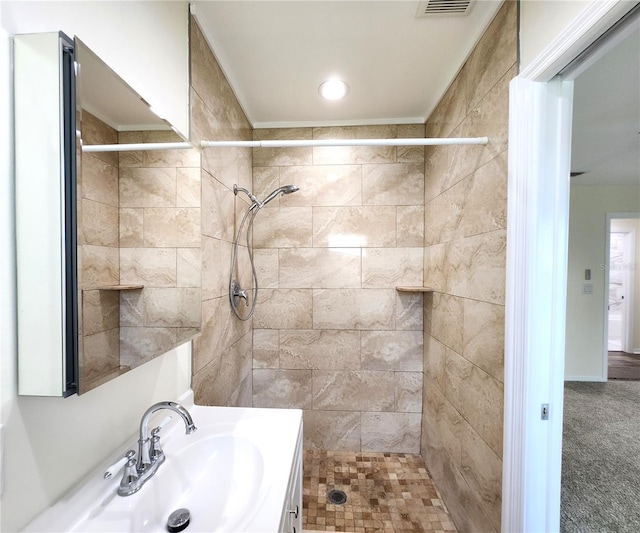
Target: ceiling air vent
[[427, 8]]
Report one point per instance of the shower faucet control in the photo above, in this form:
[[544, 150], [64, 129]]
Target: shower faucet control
[[238, 292]]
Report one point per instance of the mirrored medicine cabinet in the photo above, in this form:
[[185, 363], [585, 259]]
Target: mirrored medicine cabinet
[[108, 242]]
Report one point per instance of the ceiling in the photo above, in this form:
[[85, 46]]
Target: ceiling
[[276, 54], [606, 117]]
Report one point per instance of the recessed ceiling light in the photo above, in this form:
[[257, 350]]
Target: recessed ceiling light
[[333, 89]]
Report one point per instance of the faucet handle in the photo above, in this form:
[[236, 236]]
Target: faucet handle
[[130, 473], [155, 450], [115, 467]]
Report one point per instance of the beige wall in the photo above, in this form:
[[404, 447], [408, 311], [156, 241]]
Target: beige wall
[[222, 354], [332, 336], [465, 259], [587, 248]]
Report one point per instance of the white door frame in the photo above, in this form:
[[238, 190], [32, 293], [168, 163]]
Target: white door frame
[[537, 246]]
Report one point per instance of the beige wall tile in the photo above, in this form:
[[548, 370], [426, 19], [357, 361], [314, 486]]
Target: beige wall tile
[[139, 345], [215, 322], [434, 361], [410, 225], [353, 390], [266, 348], [447, 314], [391, 432], [171, 227], [99, 181], [99, 224], [483, 399], [390, 267], [100, 354], [147, 187], [331, 430], [169, 307], [153, 267], [336, 155], [392, 350], [267, 267], [394, 184], [132, 308], [282, 388], [187, 158], [189, 266], [436, 269], [270, 157], [320, 349], [100, 311], [265, 180], [457, 374], [188, 187], [283, 309], [371, 226], [217, 209], [216, 262], [100, 266], [286, 227], [410, 154], [131, 227], [409, 392], [483, 336], [353, 309], [95, 131], [331, 185], [409, 311], [320, 268], [451, 110]]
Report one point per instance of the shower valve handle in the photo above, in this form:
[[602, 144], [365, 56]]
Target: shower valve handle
[[238, 292]]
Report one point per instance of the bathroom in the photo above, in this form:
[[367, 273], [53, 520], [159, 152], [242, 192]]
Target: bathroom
[[434, 360]]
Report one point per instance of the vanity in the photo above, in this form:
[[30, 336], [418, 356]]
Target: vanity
[[240, 471]]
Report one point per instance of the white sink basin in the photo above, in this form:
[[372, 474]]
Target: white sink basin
[[231, 474]]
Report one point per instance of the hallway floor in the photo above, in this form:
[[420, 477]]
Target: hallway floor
[[624, 365], [386, 493]]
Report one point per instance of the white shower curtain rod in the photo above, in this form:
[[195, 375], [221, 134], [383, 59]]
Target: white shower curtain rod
[[287, 143], [282, 143]]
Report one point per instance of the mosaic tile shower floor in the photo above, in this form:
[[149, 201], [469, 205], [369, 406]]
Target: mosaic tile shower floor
[[386, 493]]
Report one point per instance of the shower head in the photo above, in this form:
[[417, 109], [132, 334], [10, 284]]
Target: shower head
[[286, 189], [237, 189]]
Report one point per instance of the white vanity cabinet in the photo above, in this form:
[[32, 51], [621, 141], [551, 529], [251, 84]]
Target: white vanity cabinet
[[291, 521]]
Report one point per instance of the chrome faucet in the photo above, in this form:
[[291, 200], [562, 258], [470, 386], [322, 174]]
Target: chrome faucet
[[150, 455]]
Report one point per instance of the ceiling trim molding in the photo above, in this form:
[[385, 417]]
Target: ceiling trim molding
[[336, 123]]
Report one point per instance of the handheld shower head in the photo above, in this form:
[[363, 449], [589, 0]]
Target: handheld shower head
[[286, 189]]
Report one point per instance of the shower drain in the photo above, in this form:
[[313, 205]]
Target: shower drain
[[337, 497]]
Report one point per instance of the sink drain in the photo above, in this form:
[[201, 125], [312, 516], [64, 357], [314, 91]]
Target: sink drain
[[337, 497], [178, 520]]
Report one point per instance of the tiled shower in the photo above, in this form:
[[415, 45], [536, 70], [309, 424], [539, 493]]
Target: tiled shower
[[375, 370]]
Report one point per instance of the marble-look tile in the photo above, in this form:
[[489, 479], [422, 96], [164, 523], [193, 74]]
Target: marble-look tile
[[99, 224], [188, 187], [132, 308], [395, 184], [391, 432], [152, 267], [320, 349], [100, 311], [451, 109], [446, 214], [285, 227], [408, 392], [477, 267], [216, 262], [282, 388], [370, 309], [172, 227], [410, 225], [392, 350], [95, 131], [320, 268], [186, 334], [131, 227], [494, 55], [486, 198], [482, 470], [99, 181], [265, 180], [189, 267], [266, 348], [282, 157], [330, 185], [409, 311], [434, 361], [181, 159], [353, 390], [174, 308], [390, 267], [410, 154], [147, 187], [139, 345], [444, 421], [457, 373], [483, 407], [100, 354], [100, 266], [446, 317], [283, 309], [331, 430], [372, 226], [216, 318], [436, 272], [217, 209], [266, 263], [483, 336], [243, 395], [347, 155], [203, 380]]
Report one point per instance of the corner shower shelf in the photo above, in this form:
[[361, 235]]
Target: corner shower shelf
[[120, 288], [414, 289]]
